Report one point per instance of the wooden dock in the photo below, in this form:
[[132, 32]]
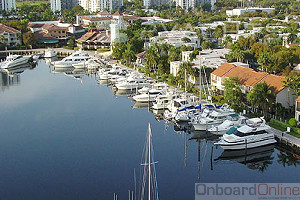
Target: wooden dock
[[287, 139]]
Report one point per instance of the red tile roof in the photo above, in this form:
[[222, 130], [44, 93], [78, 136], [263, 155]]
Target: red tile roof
[[116, 13], [34, 25], [53, 27], [223, 69], [249, 77], [103, 13], [246, 76], [275, 81], [93, 19], [141, 54], [7, 29], [132, 17], [95, 36]]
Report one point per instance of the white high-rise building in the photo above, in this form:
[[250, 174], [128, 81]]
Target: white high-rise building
[[101, 5], [192, 4], [58, 5], [186, 4], [7, 5]]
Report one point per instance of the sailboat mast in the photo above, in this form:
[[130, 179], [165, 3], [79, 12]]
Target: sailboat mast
[[149, 162], [185, 82], [200, 78]]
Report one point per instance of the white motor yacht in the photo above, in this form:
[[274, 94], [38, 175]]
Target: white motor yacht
[[74, 58], [232, 120], [14, 61], [49, 53], [215, 118], [90, 64], [105, 75], [254, 134], [163, 101], [132, 83], [150, 96]]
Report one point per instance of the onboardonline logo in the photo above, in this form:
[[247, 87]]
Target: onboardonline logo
[[247, 191]]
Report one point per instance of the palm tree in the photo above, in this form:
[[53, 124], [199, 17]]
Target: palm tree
[[262, 96], [151, 59], [128, 53], [187, 68]]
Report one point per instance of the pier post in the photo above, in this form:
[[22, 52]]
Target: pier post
[[211, 155], [246, 146]]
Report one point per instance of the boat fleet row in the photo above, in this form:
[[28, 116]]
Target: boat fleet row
[[236, 131]]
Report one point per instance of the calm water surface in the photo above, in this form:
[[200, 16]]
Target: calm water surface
[[69, 138]]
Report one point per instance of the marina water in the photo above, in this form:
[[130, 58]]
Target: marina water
[[72, 138]]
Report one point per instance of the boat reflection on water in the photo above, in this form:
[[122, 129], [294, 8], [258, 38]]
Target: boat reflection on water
[[141, 105], [124, 92], [77, 74], [256, 158], [12, 76], [158, 114], [49, 60], [62, 70], [103, 82], [203, 135], [19, 69]]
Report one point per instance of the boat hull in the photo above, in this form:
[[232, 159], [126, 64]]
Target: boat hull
[[243, 145], [204, 127], [9, 65]]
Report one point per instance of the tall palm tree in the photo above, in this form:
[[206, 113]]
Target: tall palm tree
[[129, 53], [262, 96], [151, 59]]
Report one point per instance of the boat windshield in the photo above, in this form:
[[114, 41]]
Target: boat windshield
[[238, 133]]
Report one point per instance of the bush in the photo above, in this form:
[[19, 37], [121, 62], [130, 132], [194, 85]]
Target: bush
[[293, 122], [283, 126], [67, 47]]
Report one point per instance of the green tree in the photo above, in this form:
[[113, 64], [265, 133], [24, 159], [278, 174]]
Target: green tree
[[190, 72], [262, 96], [207, 45], [118, 49], [129, 53], [185, 39], [218, 33], [29, 39], [232, 91], [265, 61], [152, 56], [293, 82], [71, 43]]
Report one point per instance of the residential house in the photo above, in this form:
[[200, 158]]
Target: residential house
[[51, 34], [102, 20], [297, 109], [241, 11], [10, 35], [248, 78], [140, 58], [177, 38], [70, 29], [174, 67], [186, 56], [94, 39]]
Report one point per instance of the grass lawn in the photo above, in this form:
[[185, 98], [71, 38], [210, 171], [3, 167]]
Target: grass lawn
[[102, 50], [282, 127], [19, 3]]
